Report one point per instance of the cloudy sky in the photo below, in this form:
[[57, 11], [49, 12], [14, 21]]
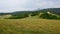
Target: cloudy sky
[[19, 5]]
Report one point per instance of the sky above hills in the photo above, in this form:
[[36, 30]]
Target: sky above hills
[[19, 5]]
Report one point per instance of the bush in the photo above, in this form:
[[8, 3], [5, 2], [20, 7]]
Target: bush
[[49, 16], [19, 16], [34, 14]]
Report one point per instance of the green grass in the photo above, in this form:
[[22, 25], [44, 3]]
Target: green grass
[[29, 25]]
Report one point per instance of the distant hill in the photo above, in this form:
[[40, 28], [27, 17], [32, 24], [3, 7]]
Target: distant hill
[[52, 10], [54, 14], [4, 14]]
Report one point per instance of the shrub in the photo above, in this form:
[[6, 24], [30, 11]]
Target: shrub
[[49, 16], [19, 16], [34, 14]]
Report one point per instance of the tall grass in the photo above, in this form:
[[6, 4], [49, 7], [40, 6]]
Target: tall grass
[[31, 25]]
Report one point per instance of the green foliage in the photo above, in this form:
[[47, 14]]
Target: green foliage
[[19, 16], [49, 16], [34, 13]]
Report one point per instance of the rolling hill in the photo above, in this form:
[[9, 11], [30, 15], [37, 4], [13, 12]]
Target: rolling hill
[[52, 10], [30, 25]]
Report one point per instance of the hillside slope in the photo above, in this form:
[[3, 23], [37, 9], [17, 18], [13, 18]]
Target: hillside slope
[[30, 25]]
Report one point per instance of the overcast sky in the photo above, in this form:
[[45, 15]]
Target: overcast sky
[[19, 5]]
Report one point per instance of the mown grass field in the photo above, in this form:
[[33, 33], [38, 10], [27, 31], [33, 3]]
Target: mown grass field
[[30, 25]]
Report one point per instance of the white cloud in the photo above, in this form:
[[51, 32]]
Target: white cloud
[[12, 5], [44, 4], [17, 5]]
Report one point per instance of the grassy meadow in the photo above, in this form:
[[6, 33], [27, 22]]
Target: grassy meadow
[[29, 25]]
